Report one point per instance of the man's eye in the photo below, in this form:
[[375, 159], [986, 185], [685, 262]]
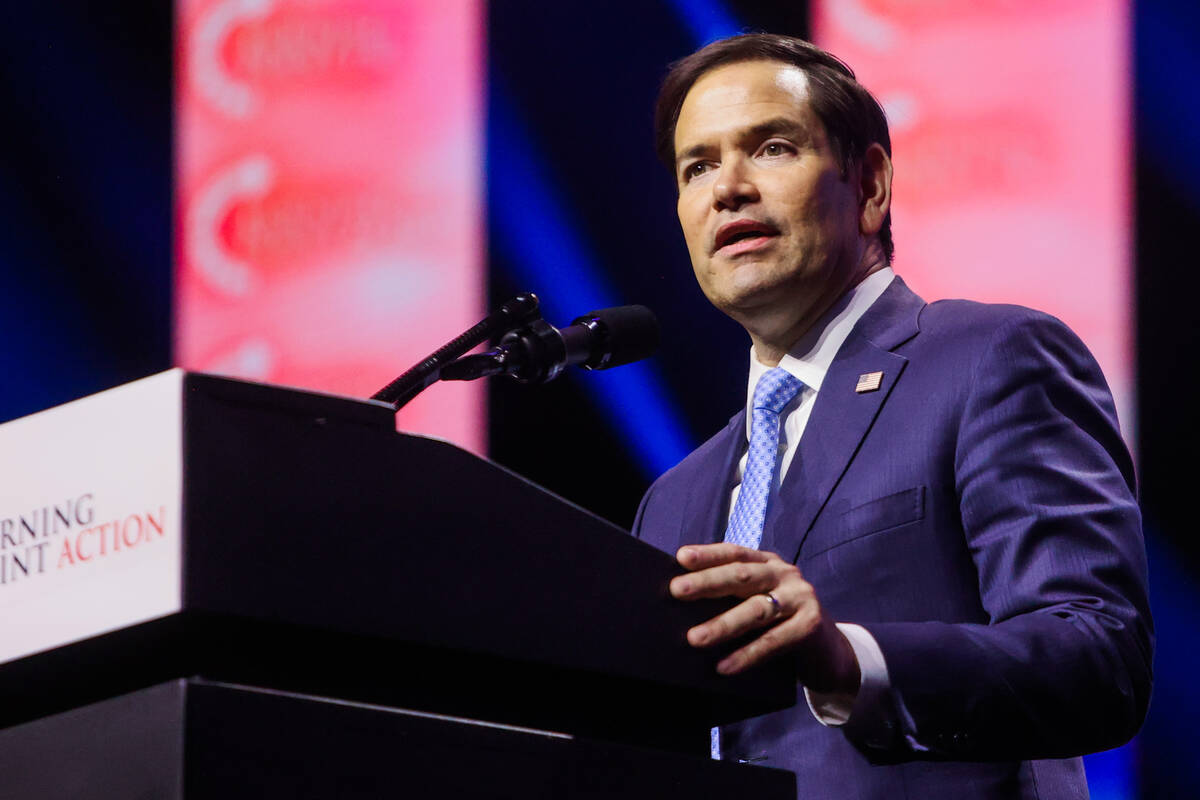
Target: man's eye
[[695, 170], [771, 149]]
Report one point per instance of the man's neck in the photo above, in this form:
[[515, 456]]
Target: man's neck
[[770, 345]]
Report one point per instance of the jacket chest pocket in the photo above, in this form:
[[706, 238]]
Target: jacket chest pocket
[[864, 519]]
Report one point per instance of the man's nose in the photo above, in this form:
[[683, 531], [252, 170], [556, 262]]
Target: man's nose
[[734, 186]]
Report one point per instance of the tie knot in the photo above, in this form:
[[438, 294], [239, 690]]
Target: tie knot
[[775, 389]]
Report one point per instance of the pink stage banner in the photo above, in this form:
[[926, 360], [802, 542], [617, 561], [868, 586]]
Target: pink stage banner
[[1010, 129], [329, 213]]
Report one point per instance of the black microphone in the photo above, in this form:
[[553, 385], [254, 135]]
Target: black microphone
[[539, 352]]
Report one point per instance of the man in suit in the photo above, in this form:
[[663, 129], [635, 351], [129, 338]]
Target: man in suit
[[935, 516]]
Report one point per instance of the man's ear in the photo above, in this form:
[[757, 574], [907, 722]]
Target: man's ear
[[875, 189]]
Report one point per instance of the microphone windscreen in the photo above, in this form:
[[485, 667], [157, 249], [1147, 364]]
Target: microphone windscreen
[[629, 333]]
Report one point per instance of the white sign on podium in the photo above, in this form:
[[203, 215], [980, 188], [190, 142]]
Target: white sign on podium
[[90, 516]]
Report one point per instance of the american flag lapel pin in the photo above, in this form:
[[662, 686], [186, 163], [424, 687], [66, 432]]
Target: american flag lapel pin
[[869, 382]]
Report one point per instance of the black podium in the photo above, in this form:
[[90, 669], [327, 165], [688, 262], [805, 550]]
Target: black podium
[[333, 610]]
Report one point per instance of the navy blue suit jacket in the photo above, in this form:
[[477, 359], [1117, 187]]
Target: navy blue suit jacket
[[977, 515]]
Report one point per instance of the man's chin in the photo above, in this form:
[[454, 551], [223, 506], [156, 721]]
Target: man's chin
[[750, 300], [769, 312]]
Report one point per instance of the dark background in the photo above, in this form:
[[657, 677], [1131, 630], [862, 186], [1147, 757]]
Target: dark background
[[85, 243]]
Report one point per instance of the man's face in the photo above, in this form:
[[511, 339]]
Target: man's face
[[771, 225]]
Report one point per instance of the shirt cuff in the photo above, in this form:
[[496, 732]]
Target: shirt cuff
[[834, 709]]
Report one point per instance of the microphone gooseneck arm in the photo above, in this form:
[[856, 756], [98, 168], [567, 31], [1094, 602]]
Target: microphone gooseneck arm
[[520, 310]]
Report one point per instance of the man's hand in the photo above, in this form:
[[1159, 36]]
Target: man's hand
[[793, 622]]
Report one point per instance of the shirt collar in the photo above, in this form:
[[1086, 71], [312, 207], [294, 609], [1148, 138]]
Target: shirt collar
[[810, 357]]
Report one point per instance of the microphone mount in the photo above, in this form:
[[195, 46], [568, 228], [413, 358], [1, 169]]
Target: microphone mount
[[532, 354], [520, 310], [538, 352]]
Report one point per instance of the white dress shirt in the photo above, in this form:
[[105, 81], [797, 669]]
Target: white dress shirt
[[809, 360]]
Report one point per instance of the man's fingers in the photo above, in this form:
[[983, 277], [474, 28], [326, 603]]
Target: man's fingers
[[784, 636], [739, 579], [778, 602], [702, 556], [759, 650], [757, 611]]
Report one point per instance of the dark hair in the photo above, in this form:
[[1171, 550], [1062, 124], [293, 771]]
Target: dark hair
[[852, 117]]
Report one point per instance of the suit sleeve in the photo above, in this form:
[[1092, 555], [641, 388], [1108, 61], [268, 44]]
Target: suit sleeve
[[1046, 494]]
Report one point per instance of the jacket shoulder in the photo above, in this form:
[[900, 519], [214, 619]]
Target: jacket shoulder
[[968, 335], [976, 320]]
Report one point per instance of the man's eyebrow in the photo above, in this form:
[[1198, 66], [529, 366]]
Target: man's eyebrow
[[691, 152], [775, 125]]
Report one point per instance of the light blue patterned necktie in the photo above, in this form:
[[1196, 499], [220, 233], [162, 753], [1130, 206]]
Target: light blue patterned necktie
[[774, 390]]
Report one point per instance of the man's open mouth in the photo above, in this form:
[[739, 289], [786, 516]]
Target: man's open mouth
[[740, 231]]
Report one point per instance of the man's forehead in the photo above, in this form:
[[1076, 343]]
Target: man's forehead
[[749, 81], [746, 87]]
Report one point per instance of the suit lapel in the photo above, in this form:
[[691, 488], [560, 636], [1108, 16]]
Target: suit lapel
[[839, 422], [841, 417], [707, 505]]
